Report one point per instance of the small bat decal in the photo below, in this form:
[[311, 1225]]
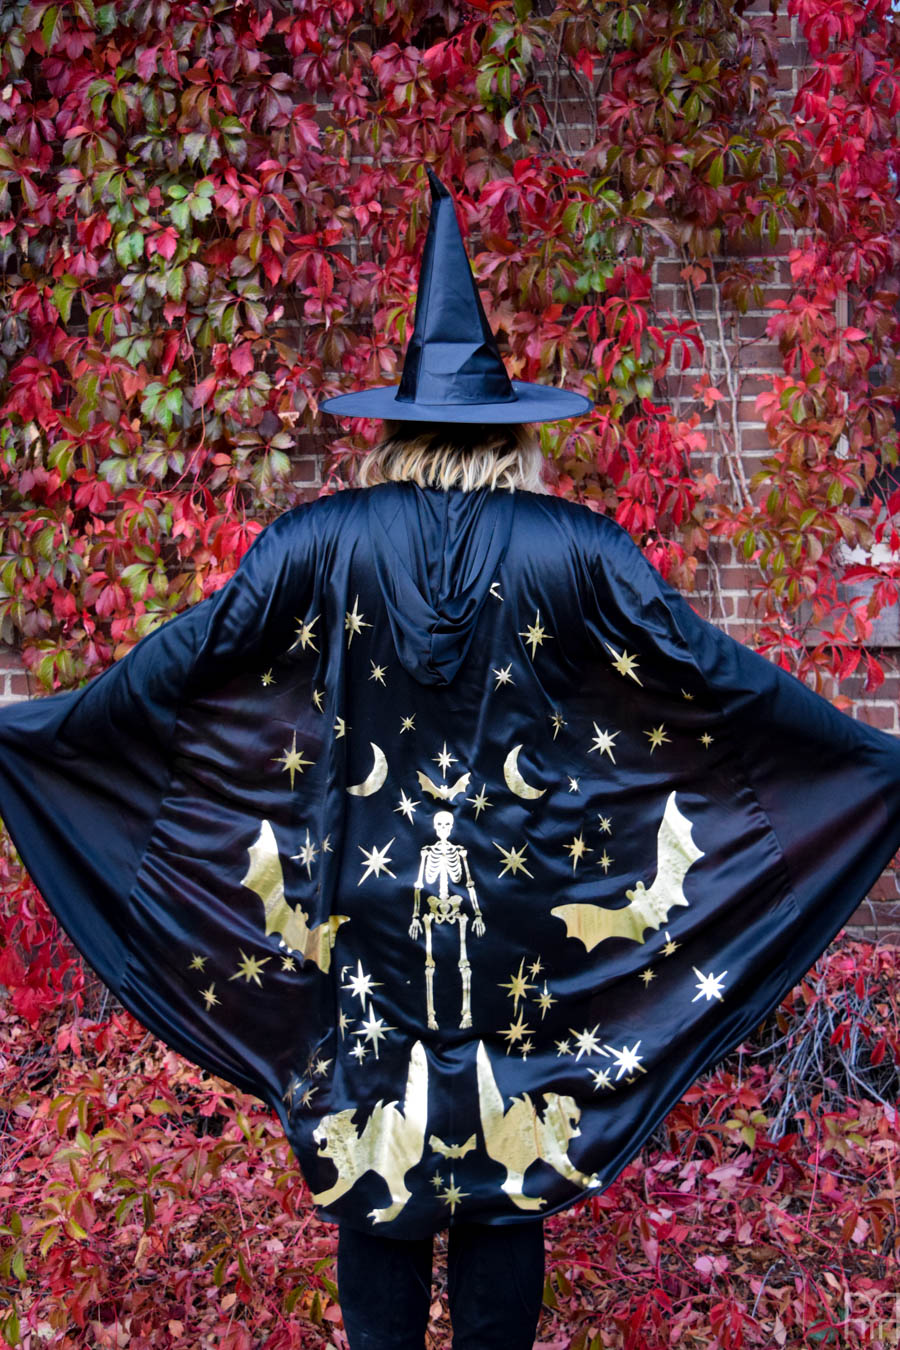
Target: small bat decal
[[266, 878], [444, 791], [451, 1150], [676, 852]]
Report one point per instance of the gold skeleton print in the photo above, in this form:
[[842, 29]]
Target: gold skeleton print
[[518, 1137], [390, 1143], [441, 864]]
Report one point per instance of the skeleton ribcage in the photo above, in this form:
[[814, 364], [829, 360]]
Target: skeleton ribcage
[[443, 867]]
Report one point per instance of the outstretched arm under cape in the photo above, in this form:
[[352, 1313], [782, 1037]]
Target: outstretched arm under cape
[[82, 774]]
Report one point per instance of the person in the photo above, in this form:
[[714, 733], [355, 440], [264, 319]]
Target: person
[[451, 832]]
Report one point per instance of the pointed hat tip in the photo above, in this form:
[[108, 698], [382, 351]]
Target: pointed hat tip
[[437, 187]]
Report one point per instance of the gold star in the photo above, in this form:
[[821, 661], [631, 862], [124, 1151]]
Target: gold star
[[624, 664], [604, 742], [249, 967], [558, 722], [686, 695], [706, 740], [340, 728], [479, 801], [513, 860], [407, 724], [305, 635], [326, 846], [320, 1068], [354, 622], [503, 675], [605, 826], [373, 1029], [437, 1181], [343, 1022], [587, 1042], [517, 986], [209, 996], [657, 737], [671, 946], [648, 975], [197, 962], [535, 968], [535, 633], [288, 963], [600, 1077], [293, 760], [267, 678], [317, 697], [407, 806], [444, 759], [576, 850], [605, 861], [377, 672], [562, 1048], [376, 860], [307, 855], [308, 1095], [515, 1032], [545, 1000], [452, 1195], [361, 984], [494, 591], [359, 1051], [526, 1048], [573, 784]]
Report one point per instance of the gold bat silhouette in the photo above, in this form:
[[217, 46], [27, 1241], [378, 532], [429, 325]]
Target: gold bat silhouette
[[266, 878], [451, 1150], [676, 852], [445, 791]]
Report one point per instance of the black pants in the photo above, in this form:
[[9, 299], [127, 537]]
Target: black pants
[[495, 1279]]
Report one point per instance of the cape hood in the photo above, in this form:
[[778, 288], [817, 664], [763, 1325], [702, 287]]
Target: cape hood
[[435, 563]]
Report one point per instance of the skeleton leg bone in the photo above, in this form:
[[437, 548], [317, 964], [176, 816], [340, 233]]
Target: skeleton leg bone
[[429, 973], [465, 971]]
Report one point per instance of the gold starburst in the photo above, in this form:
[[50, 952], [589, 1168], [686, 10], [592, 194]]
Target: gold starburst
[[372, 1029], [267, 678], [293, 760], [197, 962], [671, 945], [210, 997], [685, 694], [320, 1067], [657, 737], [444, 760], [587, 1042], [305, 635], [407, 723], [577, 849], [605, 861], [600, 1077], [563, 1048], [517, 986], [354, 622], [378, 672], [624, 664], [309, 1094], [515, 1032], [605, 825], [359, 1051], [706, 740], [536, 967], [317, 697], [503, 675], [452, 1195], [513, 860], [648, 975], [535, 633], [361, 984], [558, 722], [340, 728], [574, 784], [288, 963], [479, 801], [249, 967], [545, 1001]]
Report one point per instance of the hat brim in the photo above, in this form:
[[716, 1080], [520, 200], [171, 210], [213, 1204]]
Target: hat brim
[[533, 403]]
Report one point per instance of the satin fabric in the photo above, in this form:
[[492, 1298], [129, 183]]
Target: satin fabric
[[412, 704]]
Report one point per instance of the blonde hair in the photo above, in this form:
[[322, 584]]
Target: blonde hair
[[458, 454]]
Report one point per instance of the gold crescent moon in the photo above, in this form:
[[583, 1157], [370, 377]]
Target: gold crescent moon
[[514, 780], [375, 779]]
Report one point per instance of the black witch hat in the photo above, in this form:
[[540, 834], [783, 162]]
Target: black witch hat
[[453, 371]]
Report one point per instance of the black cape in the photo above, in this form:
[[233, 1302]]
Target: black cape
[[450, 831]]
